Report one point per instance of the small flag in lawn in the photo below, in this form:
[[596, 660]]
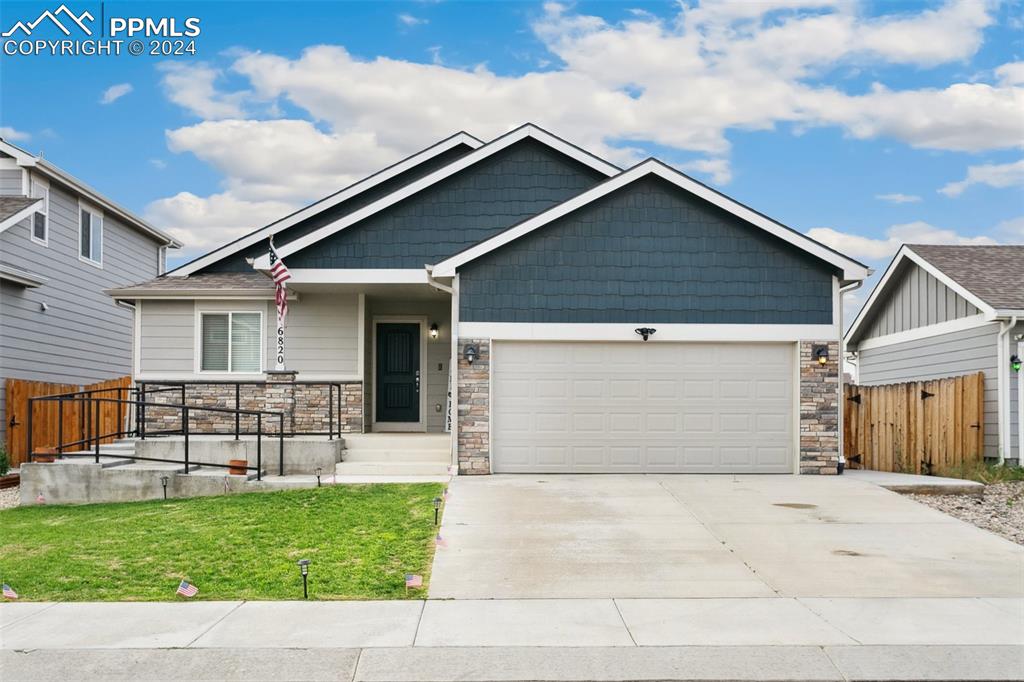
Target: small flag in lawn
[[187, 589], [446, 493], [9, 592], [440, 541], [413, 580]]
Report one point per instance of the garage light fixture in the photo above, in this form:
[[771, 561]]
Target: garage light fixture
[[820, 354], [470, 353], [1015, 362], [434, 330], [645, 332]]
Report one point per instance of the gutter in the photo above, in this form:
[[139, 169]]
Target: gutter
[[434, 283], [1003, 386], [842, 359]]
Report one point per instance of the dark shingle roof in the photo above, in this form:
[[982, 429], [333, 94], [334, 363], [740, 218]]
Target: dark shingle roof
[[220, 282], [995, 274], [12, 205]]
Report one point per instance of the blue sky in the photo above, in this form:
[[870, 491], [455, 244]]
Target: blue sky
[[844, 119]]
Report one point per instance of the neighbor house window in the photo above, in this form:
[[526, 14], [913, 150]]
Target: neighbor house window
[[90, 236], [231, 342], [41, 218]]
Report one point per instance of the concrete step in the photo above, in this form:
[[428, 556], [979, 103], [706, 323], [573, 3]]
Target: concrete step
[[105, 462], [391, 468], [397, 441], [220, 472], [362, 454]]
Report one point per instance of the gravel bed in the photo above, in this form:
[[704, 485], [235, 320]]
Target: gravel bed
[[999, 509], [9, 497]]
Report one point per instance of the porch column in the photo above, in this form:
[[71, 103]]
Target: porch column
[[280, 397]]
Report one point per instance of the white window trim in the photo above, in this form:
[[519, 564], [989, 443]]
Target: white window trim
[[94, 211], [198, 361], [43, 208]]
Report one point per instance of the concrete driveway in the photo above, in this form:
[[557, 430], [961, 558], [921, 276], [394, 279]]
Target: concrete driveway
[[537, 536]]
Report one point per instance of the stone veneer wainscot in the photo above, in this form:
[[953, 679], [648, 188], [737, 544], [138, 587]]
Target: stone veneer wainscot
[[819, 409], [474, 405]]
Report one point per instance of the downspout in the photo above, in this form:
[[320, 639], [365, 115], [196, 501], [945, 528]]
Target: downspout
[[453, 361], [1020, 405], [842, 359], [1003, 385]]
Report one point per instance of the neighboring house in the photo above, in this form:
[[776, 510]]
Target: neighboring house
[[61, 245], [597, 320], [942, 311]]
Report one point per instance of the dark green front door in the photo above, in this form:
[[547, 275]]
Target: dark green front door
[[398, 372]]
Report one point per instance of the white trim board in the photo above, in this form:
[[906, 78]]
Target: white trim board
[[554, 331], [358, 276], [26, 212], [327, 202], [919, 333], [523, 132], [851, 269]]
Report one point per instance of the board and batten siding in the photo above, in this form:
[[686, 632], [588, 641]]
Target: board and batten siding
[[82, 336], [918, 300], [943, 355], [322, 336]]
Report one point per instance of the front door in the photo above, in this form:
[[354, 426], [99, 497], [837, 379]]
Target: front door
[[398, 372]]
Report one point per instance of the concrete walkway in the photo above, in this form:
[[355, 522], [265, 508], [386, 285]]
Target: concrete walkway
[[686, 639]]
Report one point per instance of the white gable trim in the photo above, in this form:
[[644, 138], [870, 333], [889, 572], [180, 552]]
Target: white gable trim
[[852, 270], [20, 215], [326, 203], [905, 253], [489, 149]]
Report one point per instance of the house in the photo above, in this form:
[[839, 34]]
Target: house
[[62, 244], [583, 318], [941, 311]]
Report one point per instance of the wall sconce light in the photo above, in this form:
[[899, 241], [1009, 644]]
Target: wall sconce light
[[820, 354], [470, 353], [1015, 362], [645, 332], [434, 330]]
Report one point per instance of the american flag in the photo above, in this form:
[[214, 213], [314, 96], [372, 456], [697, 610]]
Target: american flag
[[440, 541], [9, 592], [187, 589], [413, 580], [280, 274]]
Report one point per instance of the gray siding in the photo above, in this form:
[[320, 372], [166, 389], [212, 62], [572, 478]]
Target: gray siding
[[167, 341], [650, 253], [10, 181], [466, 208], [917, 299], [237, 262], [944, 355], [82, 336]]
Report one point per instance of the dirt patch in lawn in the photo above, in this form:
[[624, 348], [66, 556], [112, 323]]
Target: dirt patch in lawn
[[1000, 508]]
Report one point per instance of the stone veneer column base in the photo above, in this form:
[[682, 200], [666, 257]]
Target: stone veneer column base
[[819, 409], [474, 408]]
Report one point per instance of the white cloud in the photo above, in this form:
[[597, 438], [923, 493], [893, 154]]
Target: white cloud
[[115, 92], [898, 198], [193, 87], [918, 232], [1011, 73], [202, 223], [1011, 230], [410, 21], [159, 164], [718, 169], [999, 175], [13, 135]]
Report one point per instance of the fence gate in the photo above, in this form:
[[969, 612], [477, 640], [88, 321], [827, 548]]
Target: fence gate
[[45, 415], [920, 427]]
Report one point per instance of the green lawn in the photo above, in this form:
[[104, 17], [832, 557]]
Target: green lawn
[[361, 539]]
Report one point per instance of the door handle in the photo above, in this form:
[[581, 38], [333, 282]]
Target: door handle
[[417, 381]]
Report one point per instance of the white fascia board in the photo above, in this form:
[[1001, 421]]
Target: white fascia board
[[357, 276], [326, 203], [489, 149], [919, 333], [15, 275], [20, 215], [852, 270], [555, 331]]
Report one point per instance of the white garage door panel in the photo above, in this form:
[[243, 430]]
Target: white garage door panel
[[633, 407]]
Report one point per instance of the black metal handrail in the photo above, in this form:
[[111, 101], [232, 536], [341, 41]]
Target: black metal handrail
[[94, 438]]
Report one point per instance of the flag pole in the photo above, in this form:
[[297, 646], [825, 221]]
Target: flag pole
[[280, 275]]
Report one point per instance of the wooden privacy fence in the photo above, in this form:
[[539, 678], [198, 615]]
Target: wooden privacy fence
[[920, 427], [45, 416]]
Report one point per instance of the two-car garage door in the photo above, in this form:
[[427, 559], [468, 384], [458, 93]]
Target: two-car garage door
[[593, 407]]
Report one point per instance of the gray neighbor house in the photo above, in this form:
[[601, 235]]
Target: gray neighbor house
[[62, 244], [941, 311], [531, 306]]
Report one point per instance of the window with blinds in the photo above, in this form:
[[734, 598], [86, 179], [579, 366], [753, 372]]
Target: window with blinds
[[231, 342]]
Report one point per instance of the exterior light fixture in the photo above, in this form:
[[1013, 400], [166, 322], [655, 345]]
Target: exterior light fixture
[[820, 354], [470, 353], [164, 480], [319, 470], [434, 330], [1015, 362], [645, 332], [304, 569], [437, 508]]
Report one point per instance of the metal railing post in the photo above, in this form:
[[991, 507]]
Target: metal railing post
[[339, 410], [96, 409], [280, 445], [238, 415], [259, 444], [60, 425], [142, 408], [28, 436], [330, 411], [184, 426]]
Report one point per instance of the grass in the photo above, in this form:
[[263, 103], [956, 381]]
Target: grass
[[361, 541], [984, 472]]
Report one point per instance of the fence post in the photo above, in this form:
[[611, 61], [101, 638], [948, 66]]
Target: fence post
[[60, 426], [238, 416], [184, 427], [28, 436], [259, 443], [96, 410], [280, 446], [330, 411]]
